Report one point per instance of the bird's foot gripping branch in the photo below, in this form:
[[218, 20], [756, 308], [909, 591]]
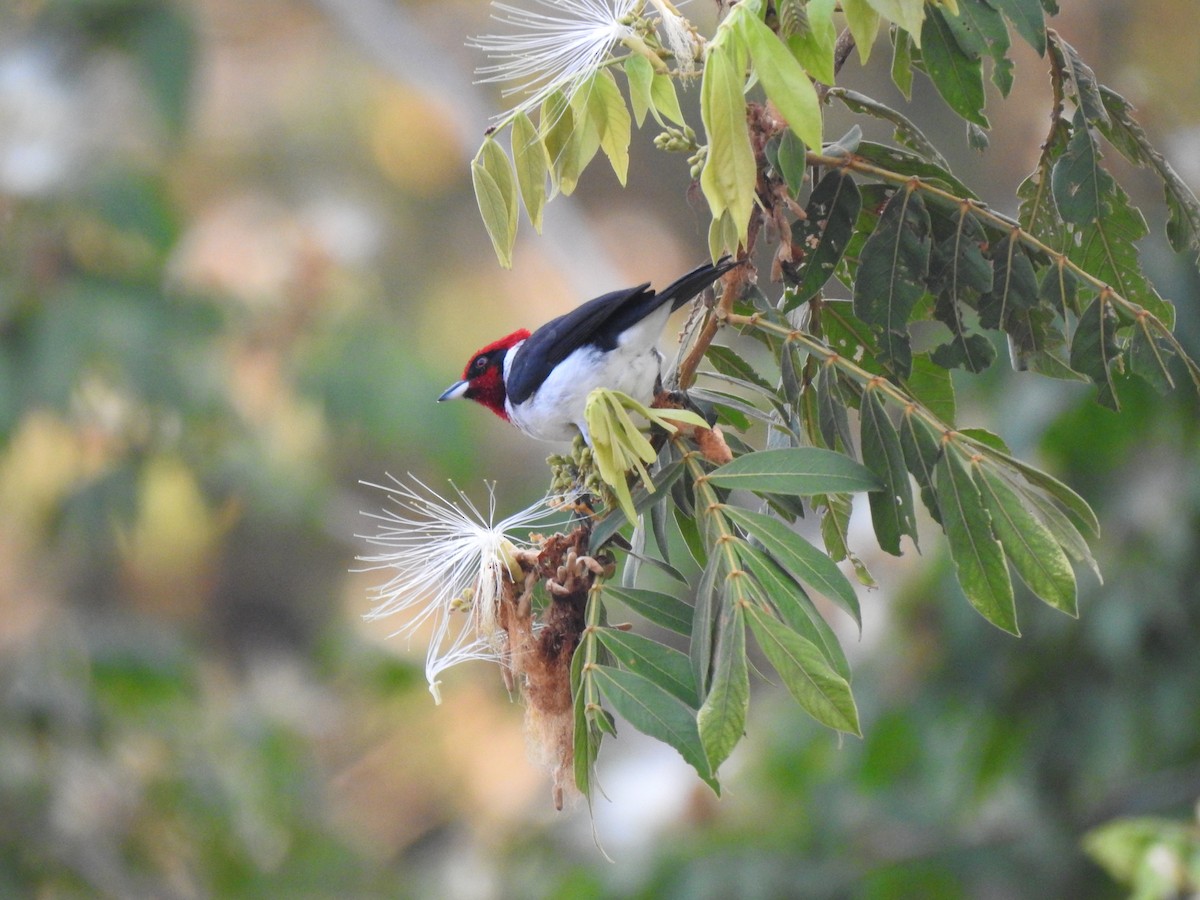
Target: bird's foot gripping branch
[[829, 377]]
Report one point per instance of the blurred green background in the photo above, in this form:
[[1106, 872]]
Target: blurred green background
[[239, 257]]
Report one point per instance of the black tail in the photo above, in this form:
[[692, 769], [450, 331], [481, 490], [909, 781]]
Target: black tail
[[684, 289]]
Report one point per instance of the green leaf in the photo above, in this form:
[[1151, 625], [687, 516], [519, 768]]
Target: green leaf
[[972, 352], [529, 157], [1028, 544], [1104, 226], [791, 161], [496, 194], [1148, 358], [799, 558], [1124, 133], [1060, 526], [799, 471], [722, 718], [786, 83], [892, 511], [1071, 501], [661, 609], [1014, 284], [833, 421], [906, 162], [813, 46], [902, 69], [607, 112], [726, 361], [978, 557], [666, 101], [782, 592], [957, 76], [863, 22], [932, 386], [891, 275], [556, 125], [980, 31], [821, 692], [1028, 18], [582, 144], [922, 449], [586, 736], [654, 712], [905, 130], [1080, 80], [729, 174], [665, 666], [701, 642], [908, 14], [640, 75], [824, 232], [1094, 349]]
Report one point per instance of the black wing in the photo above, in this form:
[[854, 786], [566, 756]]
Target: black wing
[[599, 323]]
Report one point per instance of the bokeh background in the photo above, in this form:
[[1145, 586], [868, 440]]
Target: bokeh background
[[239, 257]]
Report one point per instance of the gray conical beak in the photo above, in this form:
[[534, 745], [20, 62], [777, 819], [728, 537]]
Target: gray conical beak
[[458, 389]]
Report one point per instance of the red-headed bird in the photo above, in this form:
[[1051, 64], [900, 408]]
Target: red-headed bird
[[540, 382]]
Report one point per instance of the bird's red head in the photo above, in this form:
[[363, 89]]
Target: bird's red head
[[483, 377]]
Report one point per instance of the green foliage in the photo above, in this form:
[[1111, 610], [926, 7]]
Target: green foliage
[[894, 273]]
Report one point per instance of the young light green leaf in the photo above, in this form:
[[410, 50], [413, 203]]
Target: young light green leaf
[[586, 735], [606, 110], [799, 558], [902, 67], [824, 232], [666, 101], [556, 124], [813, 46], [582, 143], [722, 717], [1028, 544], [661, 609], [798, 471], [496, 193], [665, 666], [529, 157], [785, 81], [892, 511], [957, 76], [784, 594], [640, 75], [729, 173], [821, 692], [891, 275], [978, 556], [908, 14], [863, 22], [653, 711]]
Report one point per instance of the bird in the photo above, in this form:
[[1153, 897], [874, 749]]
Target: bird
[[540, 381]]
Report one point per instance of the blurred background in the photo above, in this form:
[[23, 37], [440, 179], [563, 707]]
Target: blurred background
[[239, 257]]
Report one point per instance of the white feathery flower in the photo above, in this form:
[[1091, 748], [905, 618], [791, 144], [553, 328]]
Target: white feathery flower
[[448, 562], [555, 50], [678, 34]]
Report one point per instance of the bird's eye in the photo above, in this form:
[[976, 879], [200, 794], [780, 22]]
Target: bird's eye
[[481, 364]]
